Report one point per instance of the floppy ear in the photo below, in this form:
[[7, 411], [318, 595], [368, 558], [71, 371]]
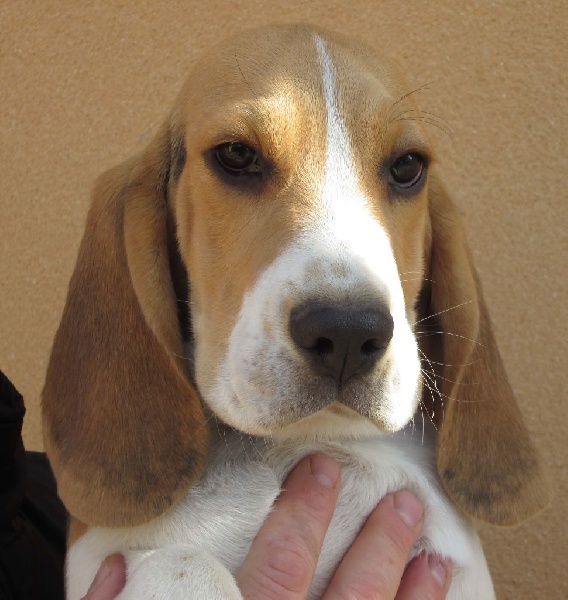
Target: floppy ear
[[486, 460], [123, 427]]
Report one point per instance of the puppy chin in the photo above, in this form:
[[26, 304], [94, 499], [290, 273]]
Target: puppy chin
[[335, 422], [254, 414], [326, 416]]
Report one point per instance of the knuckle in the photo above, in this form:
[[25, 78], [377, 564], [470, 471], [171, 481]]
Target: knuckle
[[288, 567], [428, 593], [399, 537], [317, 501], [393, 535], [364, 588]]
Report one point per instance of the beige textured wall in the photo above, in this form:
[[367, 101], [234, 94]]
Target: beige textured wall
[[84, 84]]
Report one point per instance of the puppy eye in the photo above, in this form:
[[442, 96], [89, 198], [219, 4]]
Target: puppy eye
[[238, 159], [407, 170]]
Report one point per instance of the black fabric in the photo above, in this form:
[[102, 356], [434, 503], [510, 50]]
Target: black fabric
[[32, 518]]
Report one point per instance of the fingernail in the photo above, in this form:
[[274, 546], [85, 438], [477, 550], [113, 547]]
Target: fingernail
[[409, 508], [325, 470], [440, 568], [101, 576]]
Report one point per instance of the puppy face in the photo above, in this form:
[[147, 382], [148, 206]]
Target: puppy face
[[302, 220], [297, 186]]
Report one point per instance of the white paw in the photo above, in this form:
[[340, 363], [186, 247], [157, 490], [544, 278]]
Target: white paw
[[178, 573]]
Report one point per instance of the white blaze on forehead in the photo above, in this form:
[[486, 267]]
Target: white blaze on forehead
[[340, 170]]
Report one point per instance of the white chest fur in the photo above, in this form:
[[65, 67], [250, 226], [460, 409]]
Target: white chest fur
[[219, 517]]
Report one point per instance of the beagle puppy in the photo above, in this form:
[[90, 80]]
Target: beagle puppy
[[279, 272]]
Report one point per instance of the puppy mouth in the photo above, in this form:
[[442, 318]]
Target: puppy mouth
[[373, 405], [262, 392], [352, 396]]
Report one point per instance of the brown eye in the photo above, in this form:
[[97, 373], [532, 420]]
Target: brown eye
[[238, 159], [407, 170]]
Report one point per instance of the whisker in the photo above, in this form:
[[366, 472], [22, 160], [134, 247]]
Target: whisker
[[463, 337], [432, 392], [430, 120], [445, 396], [473, 362], [461, 401], [178, 355], [423, 115], [254, 447], [433, 381], [418, 89], [452, 381], [421, 273], [243, 76], [445, 311], [206, 422], [430, 376], [440, 394], [219, 431], [429, 417]]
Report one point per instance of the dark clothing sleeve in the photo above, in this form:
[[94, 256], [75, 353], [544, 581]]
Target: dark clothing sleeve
[[32, 518]]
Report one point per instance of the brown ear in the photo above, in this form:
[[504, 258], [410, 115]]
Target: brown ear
[[123, 427], [486, 460]]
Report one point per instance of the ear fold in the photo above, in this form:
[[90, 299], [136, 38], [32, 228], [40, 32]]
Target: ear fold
[[123, 427], [486, 460]]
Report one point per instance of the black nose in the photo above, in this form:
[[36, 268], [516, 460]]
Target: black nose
[[341, 341]]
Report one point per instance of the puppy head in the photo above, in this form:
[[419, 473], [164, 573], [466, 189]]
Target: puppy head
[[286, 190]]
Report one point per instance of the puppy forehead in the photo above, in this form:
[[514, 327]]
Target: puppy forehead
[[275, 70], [314, 104]]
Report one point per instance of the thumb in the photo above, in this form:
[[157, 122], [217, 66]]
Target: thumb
[[109, 580]]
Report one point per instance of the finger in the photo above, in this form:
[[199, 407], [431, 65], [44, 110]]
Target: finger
[[284, 554], [375, 563], [427, 577], [109, 580]]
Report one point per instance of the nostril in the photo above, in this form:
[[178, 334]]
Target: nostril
[[340, 341], [323, 346], [371, 347]]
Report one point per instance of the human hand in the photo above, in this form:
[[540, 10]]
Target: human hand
[[283, 556], [109, 580], [282, 559]]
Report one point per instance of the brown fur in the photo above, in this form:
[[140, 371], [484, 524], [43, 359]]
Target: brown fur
[[123, 424], [486, 459], [123, 427], [75, 530]]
